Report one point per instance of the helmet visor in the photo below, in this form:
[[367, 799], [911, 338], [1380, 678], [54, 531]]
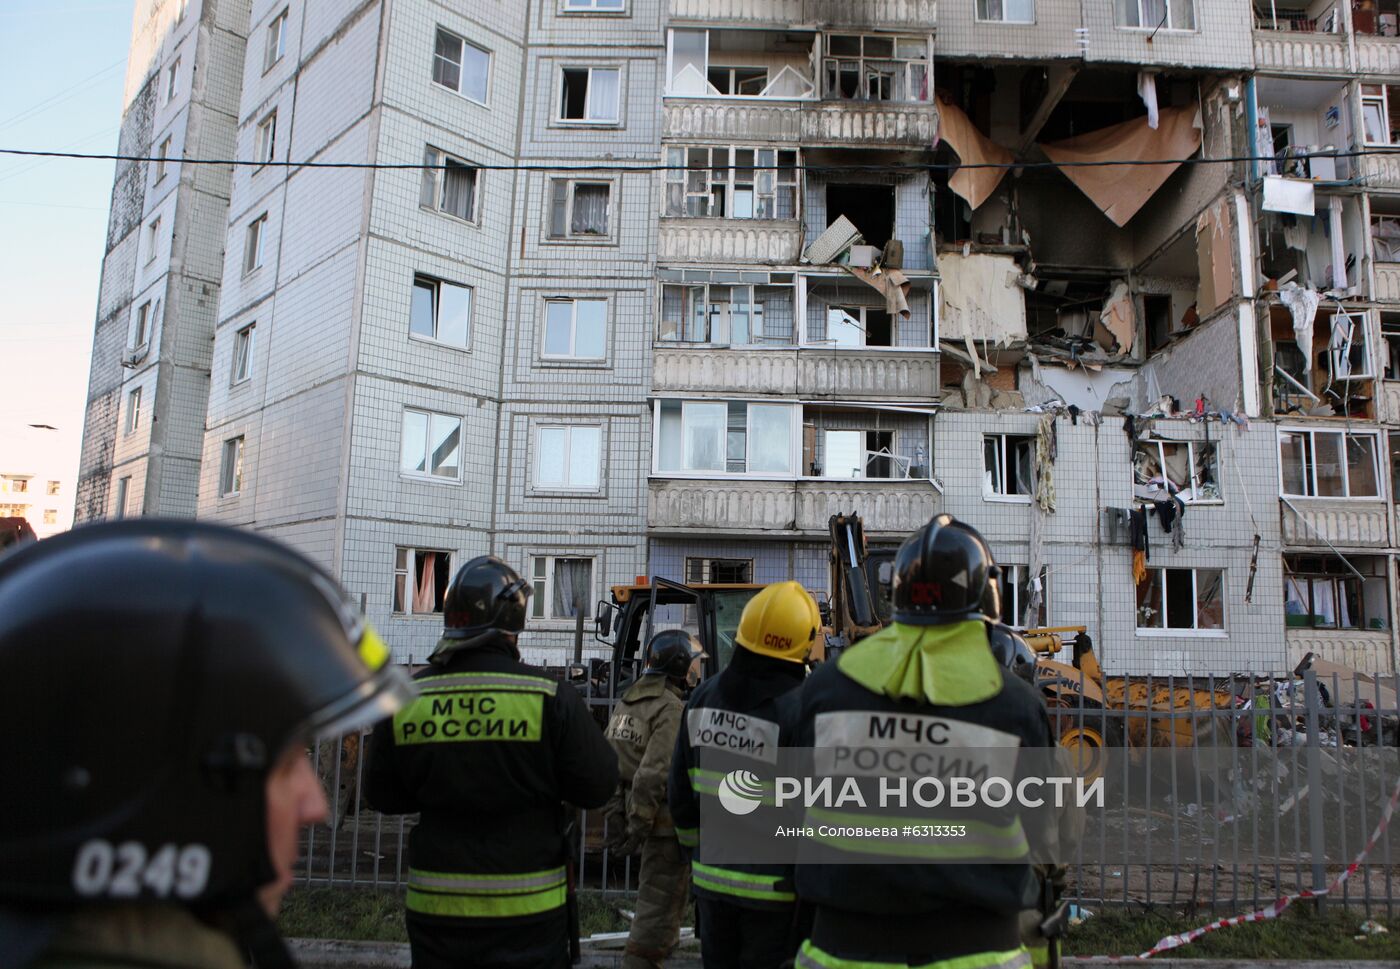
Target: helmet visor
[[386, 689]]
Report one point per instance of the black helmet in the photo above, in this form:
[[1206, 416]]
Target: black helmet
[[944, 573], [152, 672], [1011, 650], [671, 651], [485, 594]]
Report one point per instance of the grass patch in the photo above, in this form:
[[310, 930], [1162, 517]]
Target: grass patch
[[1300, 933]]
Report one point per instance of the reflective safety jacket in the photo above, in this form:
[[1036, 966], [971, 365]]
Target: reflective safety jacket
[[488, 753], [749, 709], [643, 732], [943, 687]]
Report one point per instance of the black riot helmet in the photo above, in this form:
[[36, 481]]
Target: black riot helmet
[[1011, 650], [944, 573], [152, 673], [485, 595], [671, 652]]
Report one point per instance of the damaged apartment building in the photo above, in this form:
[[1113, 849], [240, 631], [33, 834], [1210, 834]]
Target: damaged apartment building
[[1115, 281]]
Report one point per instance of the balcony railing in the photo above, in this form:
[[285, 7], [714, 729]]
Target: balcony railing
[[1377, 55], [1387, 282], [1300, 52], [1364, 650], [896, 14], [1390, 401], [781, 509], [812, 123], [730, 240], [1324, 522], [1380, 171], [812, 373]]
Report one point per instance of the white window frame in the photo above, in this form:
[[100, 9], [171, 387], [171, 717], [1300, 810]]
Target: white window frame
[[979, 5], [539, 486], [253, 237], [1013, 574], [1310, 466], [434, 180], [231, 467], [588, 96], [241, 370], [592, 7], [123, 497], [710, 90], [275, 45], [569, 235], [437, 284], [794, 442], [53, 488], [699, 184], [906, 64], [265, 139], [162, 156], [152, 240], [142, 325], [410, 570], [1167, 26], [542, 587], [1189, 494], [50, 516], [572, 355], [172, 74], [428, 418], [715, 323], [461, 62], [1003, 496], [133, 412], [1193, 630]]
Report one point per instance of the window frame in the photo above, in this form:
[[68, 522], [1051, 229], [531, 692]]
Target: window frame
[[435, 162], [461, 62], [133, 412], [411, 554], [905, 64], [265, 140], [687, 406], [243, 345], [979, 5], [1310, 461], [50, 516], [152, 239], [122, 499], [756, 341], [163, 158], [275, 43], [536, 432], [542, 588], [677, 175], [1189, 498], [590, 7], [142, 325], [1166, 27], [1003, 496], [437, 283], [1382, 101], [707, 563], [1194, 630], [559, 118], [1012, 574], [254, 236], [573, 356], [53, 488], [172, 75], [579, 238], [1338, 577], [231, 467], [430, 475]]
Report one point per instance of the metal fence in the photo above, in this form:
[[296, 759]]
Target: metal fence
[[1288, 777]]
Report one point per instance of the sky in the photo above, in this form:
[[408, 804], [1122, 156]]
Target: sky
[[62, 73]]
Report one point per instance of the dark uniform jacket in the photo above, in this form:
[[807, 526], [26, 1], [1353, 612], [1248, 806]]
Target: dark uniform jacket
[[750, 709], [487, 753]]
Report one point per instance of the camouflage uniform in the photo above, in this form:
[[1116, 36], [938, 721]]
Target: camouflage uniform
[[643, 732]]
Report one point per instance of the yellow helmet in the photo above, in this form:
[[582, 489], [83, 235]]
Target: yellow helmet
[[782, 621]]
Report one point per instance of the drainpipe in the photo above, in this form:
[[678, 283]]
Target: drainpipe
[[1251, 114]]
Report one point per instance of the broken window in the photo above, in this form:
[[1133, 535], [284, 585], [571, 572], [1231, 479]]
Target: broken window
[[712, 63], [718, 571], [1394, 440], [1296, 15], [1007, 11], [1155, 14], [568, 457], [589, 94], [870, 68], [719, 437], [449, 185], [1328, 464], [562, 587], [1007, 465], [746, 81], [440, 311], [431, 445], [1385, 236], [731, 183], [718, 315], [860, 454], [870, 208], [1182, 469], [142, 324], [1181, 599], [1332, 592], [578, 209], [1158, 311], [858, 326], [420, 580], [461, 66], [1016, 594]]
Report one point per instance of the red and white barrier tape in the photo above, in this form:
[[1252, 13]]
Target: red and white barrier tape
[[1273, 910]]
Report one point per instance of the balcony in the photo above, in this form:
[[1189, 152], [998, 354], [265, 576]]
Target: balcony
[[1366, 651], [1349, 523], [1298, 52], [1380, 171], [717, 370], [1390, 401], [886, 14], [814, 124], [730, 241], [786, 509], [1377, 55], [1387, 282], [812, 373]]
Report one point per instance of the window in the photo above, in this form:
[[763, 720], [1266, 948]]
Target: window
[[589, 94], [133, 410], [53, 488], [715, 315], [50, 516], [601, 5], [1331, 592], [162, 153], [440, 311], [719, 571], [1155, 14], [1328, 464], [460, 66], [265, 148], [243, 354], [853, 327], [420, 580], [578, 209], [1007, 11], [726, 437], [171, 73], [1181, 599], [731, 183], [1017, 591], [1007, 465], [562, 587], [253, 244], [13, 510], [432, 445], [142, 324], [1375, 114], [449, 185], [880, 68], [1184, 469], [123, 490], [231, 471], [860, 454], [19, 485], [181, 9], [152, 239], [568, 458], [575, 329], [276, 41], [690, 73]]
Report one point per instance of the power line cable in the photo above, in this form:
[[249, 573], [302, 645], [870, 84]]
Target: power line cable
[[63, 95]]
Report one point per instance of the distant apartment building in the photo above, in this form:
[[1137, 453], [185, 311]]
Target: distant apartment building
[[36, 477], [620, 288]]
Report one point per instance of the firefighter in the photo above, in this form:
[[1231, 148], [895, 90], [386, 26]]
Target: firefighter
[[489, 754], [934, 668], [161, 681], [745, 913], [643, 731]]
